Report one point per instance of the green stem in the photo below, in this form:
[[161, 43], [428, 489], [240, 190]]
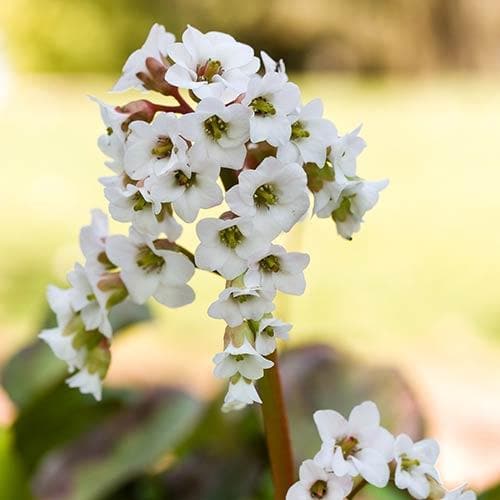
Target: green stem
[[277, 431]]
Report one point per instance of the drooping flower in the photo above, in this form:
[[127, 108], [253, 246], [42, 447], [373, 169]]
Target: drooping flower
[[275, 268], [131, 202], [271, 98], [147, 270], [136, 71], [87, 383], [274, 195], [60, 338], [211, 64], [310, 137], [241, 392], [89, 300], [357, 446], [219, 131], [345, 150], [225, 245], [268, 330], [243, 359], [188, 186], [236, 304], [154, 147], [356, 198], [415, 462], [460, 493], [315, 482]]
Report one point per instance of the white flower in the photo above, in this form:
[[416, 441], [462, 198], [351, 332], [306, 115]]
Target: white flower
[[414, 462], [88, 383], [148, 271], [156, 46], [60, 339], [244, 360], [272, 66], [271, 98], [345, 150], [219, 131], [274, 195], [268, 331], [93, 242], [315, 482], [188, 186], [310, 137], [240, 394], [356, 198], [211, 64], [235, 304], [129, 202], [89, 300], [460, 493], [112, 143], [275, 268], [225, 245], [153, 147], [355, 446], [327, 198]]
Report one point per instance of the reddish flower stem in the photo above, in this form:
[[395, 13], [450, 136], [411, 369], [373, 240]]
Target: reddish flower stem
[[277, 430]]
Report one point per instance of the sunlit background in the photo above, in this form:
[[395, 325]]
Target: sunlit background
[[418, 288]]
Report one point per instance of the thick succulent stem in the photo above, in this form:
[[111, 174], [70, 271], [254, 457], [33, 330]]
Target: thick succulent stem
[[277, 430]]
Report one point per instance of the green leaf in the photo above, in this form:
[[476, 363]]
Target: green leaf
[[13, 482], [122, 447], [34, 370], [492, 493]]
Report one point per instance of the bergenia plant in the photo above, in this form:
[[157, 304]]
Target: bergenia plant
[[236, 136]]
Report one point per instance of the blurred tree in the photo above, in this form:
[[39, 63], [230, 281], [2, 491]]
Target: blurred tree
[[361, 35]]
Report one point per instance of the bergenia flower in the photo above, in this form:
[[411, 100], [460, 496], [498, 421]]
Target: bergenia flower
[[315, 482], [211, 64], [156, 47], [274, 195], [357, 446], [415, 462]]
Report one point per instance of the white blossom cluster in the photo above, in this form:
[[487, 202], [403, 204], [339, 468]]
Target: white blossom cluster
[[357, 450], [234, 121]]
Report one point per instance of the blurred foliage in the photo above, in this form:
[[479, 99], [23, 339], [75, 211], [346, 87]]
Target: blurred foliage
[[163, 443], [363, 35]]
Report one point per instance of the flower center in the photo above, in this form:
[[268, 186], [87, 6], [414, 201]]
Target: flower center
[[215, 127], [298, 131], [265, 196], [319, 489], [270, 264], [183, 180], [146, 259], [341, 213], [242, 298], [163, 148], [139, 202], [408, 463], [239, 357], [268, 330], [348, 445], [231, 236], [209, 70], [109, 131], [262, 107]]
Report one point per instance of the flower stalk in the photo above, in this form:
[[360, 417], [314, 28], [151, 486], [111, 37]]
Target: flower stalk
[[277, 430]]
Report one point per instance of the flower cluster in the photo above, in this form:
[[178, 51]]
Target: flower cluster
[[357, 450], [235, 122]]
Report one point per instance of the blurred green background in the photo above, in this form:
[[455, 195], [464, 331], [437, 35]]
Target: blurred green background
[[417, 289]]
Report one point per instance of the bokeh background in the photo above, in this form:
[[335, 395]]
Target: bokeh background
[[418, 289]]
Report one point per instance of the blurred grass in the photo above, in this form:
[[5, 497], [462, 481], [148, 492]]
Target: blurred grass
[[419, 287]]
